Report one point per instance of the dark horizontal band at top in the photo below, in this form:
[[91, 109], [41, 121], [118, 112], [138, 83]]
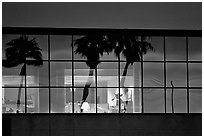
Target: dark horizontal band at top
[[86, 31]]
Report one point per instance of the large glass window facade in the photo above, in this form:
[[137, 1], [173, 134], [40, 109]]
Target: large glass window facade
[[166, 80]]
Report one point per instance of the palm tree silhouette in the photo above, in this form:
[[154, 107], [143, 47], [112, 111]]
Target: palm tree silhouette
[[92, 47], [132, 48], [17, 52]]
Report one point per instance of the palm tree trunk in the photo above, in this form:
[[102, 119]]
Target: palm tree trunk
[[19, 95], [88, 84], [22, 74], [122, 83]]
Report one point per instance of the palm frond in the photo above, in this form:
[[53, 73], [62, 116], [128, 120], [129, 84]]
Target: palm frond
[[21, 48], [10, 64], [92, 47]]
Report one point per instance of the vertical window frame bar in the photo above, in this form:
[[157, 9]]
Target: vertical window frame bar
[[49, 92], [25, 88], [164, 44], [72, 74], [142, 94], [96, 89], [119, 83], [187, 71]]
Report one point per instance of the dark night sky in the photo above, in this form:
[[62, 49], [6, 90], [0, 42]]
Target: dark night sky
[[107, 15]]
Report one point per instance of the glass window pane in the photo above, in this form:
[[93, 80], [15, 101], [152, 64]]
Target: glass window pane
[[195, 100], [37, 100], [158, 53], [153, 75], [40, 39], [43, 44], [175, 48], [107, 74], [179, 100], [135, 95], [195, 75], [169, 102], [176, 72], [5, 39], [61, 74], [130, 100], [108, 100], [83, 75], [107, 96], [77, 56], [195, 48], [153, 100], [102, 100], [61, 47], [12, 77], [89, 106], [130, 79], [58, 100], [37, 75], [9, 100], [68, 100]]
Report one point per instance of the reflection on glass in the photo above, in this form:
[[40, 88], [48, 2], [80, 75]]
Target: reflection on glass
[[61, 47], [195, 75], [37, 100], [153, 100], [195, 100], [9, 100], [61, 74], [37, 75], [195, 48], [175, 48], [153, 75], [158, 53], [176, 72]]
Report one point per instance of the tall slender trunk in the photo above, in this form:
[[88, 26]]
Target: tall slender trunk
[[87, 85], [122, 82], [172, 98], [22, 74]]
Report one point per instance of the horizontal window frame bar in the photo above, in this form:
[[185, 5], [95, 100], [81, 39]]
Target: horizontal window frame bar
[[105, 31], [79, 114], [191, 87], [161, 61]]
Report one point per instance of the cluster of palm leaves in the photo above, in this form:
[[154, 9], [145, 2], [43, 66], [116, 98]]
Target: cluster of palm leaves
[[92, 47]]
